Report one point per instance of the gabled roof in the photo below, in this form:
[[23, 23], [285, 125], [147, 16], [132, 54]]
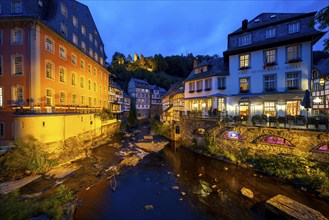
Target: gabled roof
[[323, 67], [175, 88], [216, 67]]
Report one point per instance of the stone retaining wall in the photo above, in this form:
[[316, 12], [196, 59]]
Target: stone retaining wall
[[301, 142]]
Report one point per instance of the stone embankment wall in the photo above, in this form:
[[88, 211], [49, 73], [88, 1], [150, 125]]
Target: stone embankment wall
[[80, 146], [311, 144]]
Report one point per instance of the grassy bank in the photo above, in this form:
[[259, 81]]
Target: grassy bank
[[297, 169]]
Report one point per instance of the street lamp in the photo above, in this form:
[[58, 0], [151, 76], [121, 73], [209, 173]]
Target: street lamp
[[321, 81]]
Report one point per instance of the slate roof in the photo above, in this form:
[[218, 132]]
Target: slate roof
[[323, 67], [176, 88], [216, 67]]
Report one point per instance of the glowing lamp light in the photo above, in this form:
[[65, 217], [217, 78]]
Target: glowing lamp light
[[321, 81], [203, 105], [317, 100]]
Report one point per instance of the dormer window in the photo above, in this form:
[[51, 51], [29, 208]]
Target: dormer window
[[244, 40], [257, 20], [16, 6], [273, 16], [293, 28]]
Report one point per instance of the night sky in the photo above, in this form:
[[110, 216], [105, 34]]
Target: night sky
[[181, 27]]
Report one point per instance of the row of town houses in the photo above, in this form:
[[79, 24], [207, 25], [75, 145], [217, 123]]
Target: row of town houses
[[52, 62], [265, 71]]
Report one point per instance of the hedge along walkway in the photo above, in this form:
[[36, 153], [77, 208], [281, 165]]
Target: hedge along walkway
[[8, 187]]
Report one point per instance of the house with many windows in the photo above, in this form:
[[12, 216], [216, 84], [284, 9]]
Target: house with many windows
[[270, 64], [320, 87], [139, 90], [205, 87], [156, 104], [116, 100], [52, 60]]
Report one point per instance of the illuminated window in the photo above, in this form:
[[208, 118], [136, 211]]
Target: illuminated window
[[17, 94], [74, 79], [75, 21], [16, 6], [62, 98], [63, 9], [91, 52], [101, 61], [62, 52], [63, 29], [49, 97], [244, 85], [17, 65], [221, 104], [83, 30], [50, 45], [270, 82], [74, 59], [245, 40], [292, 108], [269, 108], [244, 108], [1, 96], [75, 39], [270, 33], [17, 36], [293, 53], [270, 56], [96, 56], [50, 70], [62, 74], [244, 61], [293, 28], [293, 80]]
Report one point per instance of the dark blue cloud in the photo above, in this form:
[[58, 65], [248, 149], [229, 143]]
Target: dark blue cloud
[[180, 27]]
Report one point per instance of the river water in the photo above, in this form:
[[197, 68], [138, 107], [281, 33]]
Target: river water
[[181, 184]]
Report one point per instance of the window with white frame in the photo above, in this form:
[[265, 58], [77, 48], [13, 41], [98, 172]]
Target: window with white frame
[[270, 32], [91, 52], [17, 36], [17, 94], [82, 64], [49, 97], [75, 39], [96, 56], [64, 9], [293, 53], [2, 129], [1, 96], [17, 65], [1, 65], [74, 99], [16, 6], [221, 83], [63, 29], [75, 21], [269, 82], [221, 104], [50, 45], [244, 61], [62, 74], [244, 84], [245, 40], [269, 108], [82, 82], [101, 61], [62, 98], [208, 83], [50, 70], [293, 80], [74, 59], [62, 52], [199, 86], [270, 56], [83, 46], [292, 107], [83, 30], [293, 28], [74, 79]]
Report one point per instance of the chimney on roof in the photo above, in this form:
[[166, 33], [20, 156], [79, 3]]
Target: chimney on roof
[[195, 63], [244, 24]]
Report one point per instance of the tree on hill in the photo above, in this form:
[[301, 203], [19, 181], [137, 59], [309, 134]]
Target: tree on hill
[[322, 18]]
